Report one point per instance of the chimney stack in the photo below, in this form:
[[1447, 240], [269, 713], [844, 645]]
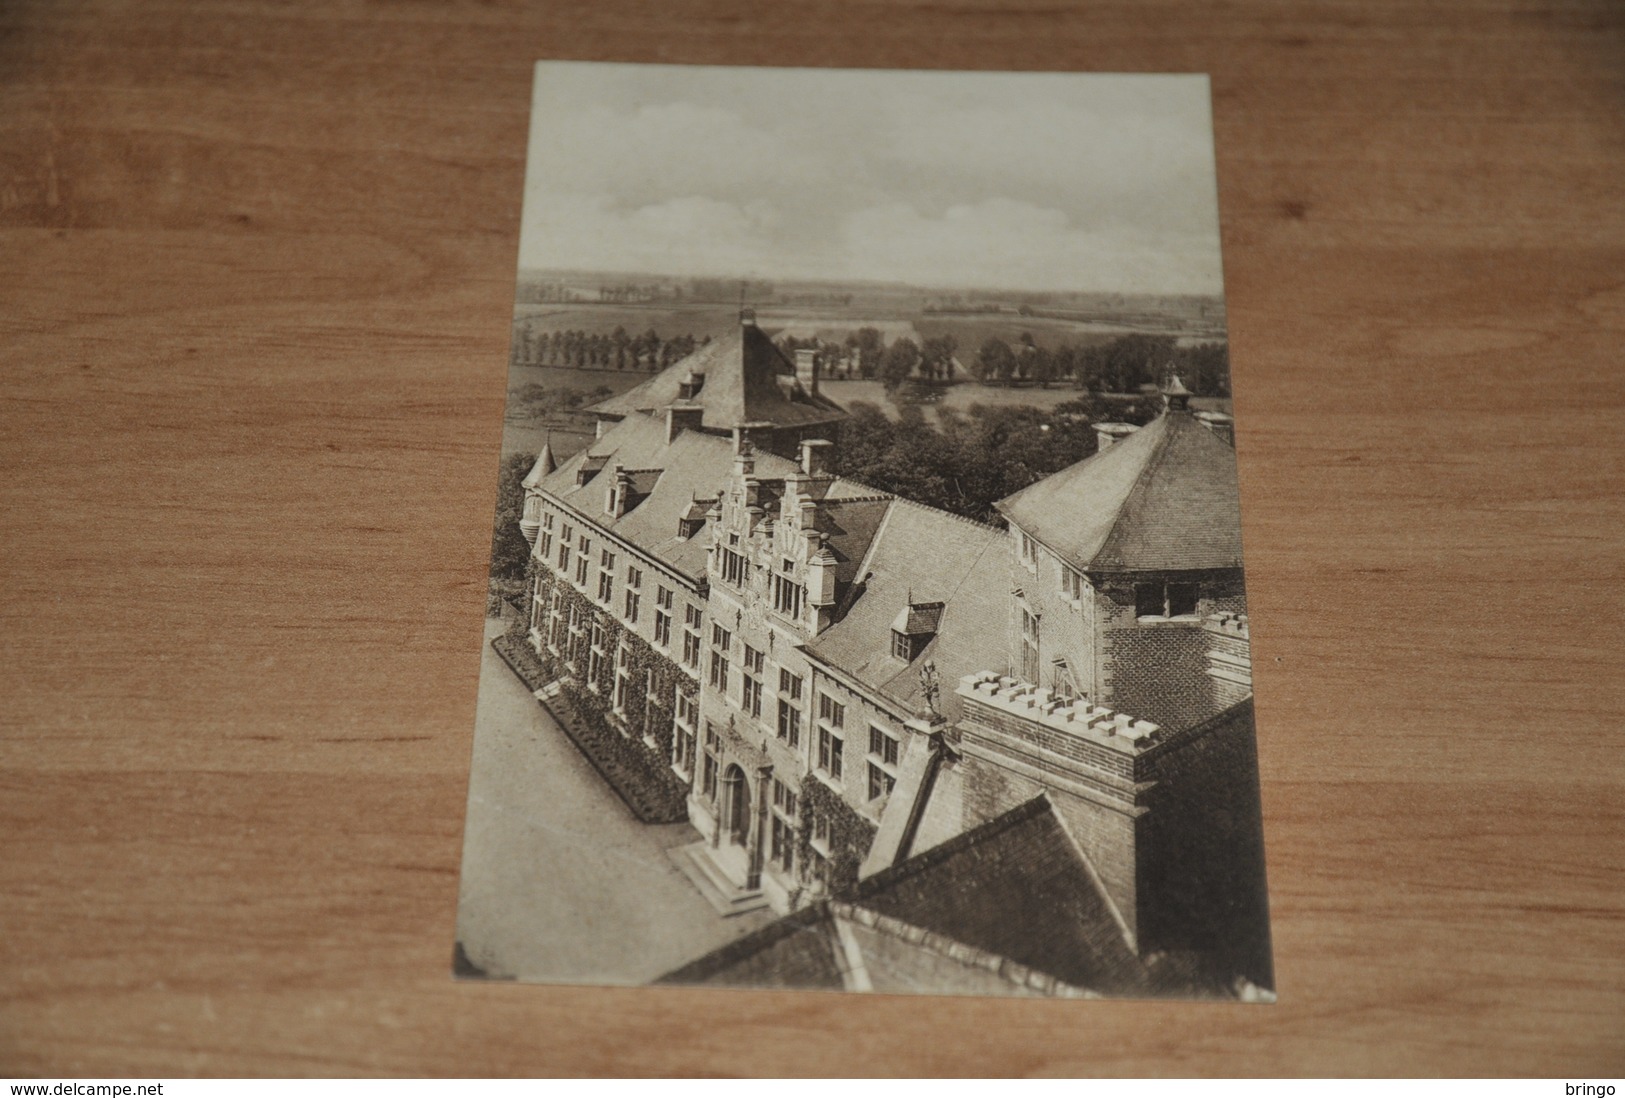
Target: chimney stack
[[1108, 433], [807, 369], [815, 456]]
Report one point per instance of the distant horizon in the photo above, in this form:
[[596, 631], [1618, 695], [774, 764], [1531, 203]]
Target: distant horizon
[[941, 181], [843, 283]]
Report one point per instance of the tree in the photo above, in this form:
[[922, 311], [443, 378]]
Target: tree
[[937, 356], [620, 339], [1041, 366], [995, 362], [509, 550], [898, 364], [870, 347]]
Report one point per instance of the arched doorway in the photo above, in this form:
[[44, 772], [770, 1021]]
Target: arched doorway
[[735, 805]]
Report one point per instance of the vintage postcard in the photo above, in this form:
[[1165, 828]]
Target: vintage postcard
[[867, 608]]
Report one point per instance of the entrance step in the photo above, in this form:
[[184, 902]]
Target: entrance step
[[695, 862]]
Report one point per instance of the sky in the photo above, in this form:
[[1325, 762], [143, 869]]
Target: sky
[[1012, 181]]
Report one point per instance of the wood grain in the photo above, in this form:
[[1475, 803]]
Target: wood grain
[[256, 263]]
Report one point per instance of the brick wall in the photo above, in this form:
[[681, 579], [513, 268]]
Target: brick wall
[[1158, 670]]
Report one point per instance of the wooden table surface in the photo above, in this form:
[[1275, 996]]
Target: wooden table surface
[[256, 273]]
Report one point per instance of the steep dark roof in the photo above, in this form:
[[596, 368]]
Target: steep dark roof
[[747, 381], [1017, 886], [1010, 907], [1162, 499]]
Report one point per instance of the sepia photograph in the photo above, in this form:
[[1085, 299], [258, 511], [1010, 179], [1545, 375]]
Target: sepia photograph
[[867, 607]]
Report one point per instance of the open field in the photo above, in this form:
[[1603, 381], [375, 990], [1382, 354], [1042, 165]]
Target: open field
[[898, 319]]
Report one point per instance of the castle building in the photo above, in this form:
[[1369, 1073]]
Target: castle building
[[860, 694]]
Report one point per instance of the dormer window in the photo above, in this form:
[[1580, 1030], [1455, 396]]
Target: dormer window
[[1161, 601], [913, 628]]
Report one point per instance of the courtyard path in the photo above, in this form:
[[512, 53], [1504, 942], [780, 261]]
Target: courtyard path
[[560, 883]]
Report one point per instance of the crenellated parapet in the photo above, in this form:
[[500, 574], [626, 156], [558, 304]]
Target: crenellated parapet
[[988, 694], [1229, 656]]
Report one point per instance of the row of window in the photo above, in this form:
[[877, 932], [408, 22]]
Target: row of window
[[1156, 599]]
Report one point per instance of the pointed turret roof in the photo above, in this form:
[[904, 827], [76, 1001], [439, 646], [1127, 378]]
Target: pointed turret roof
[[544, 463], [1162, 499], [743, 379]]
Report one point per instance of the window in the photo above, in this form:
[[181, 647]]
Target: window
[[708, 770], [782, 836], [751, 683], [787, 594], [595, 657], [565, 536], [606, 577], [544, 543], [634, 593], [536, 603], [818, 850], [1071, 583], [1165, 600], [623, 678], [555, 622], [691, 637], [1029, 552], [902, 646], [583, 555], [682, 735], [1029, 645], [883, 749], [831, 717], [577, 638], [789, 708], [662, 616], [731, 562], [720, 640]]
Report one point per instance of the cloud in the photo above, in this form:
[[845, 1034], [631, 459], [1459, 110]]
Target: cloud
[[997, 180], [659, 150], [692, 234], [1007, 243]]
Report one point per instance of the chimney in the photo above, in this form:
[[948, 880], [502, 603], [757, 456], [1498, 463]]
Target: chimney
[[1176, 396], [680, 418], [619, 491], [1220, 424], [747, 318], [807, 369], [815, 456], [1108, 433]]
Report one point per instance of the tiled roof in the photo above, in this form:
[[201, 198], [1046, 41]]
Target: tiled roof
[[747, 381], [668, 479], [929, 556], [1162, 499], [1017, 886], [670, 475], [1006, 908]]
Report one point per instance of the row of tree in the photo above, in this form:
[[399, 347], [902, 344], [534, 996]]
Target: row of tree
[[1121, 365], [618, 350], [974, 457]]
